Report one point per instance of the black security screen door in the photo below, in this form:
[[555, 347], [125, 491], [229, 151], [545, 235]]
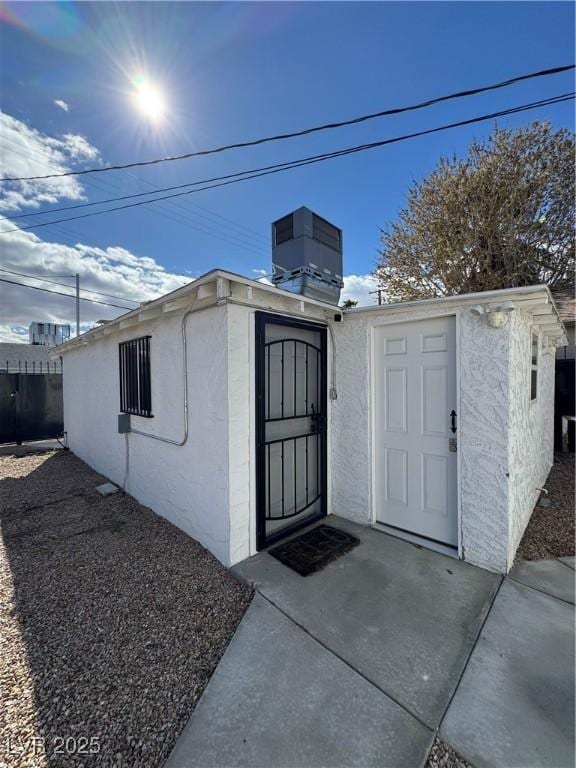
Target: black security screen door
[[290, 425]]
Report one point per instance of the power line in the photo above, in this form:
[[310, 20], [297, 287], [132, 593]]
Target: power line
[[308, 131], [235, 178], [65, 285], [248, 231], [210, 229], [59, 293]]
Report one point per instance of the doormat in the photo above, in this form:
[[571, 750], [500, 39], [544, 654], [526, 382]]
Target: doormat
[[314, 549]]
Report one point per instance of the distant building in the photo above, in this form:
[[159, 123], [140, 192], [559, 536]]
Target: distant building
[[48, 334]]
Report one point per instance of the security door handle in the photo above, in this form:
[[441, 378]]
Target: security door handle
[[453, 421], [317, 421]]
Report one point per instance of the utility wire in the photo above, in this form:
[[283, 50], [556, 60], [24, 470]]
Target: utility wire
[[308, 131], [246, 232], [235, 178], [286, 165], [59, 293], [66, 285], [213, 229]]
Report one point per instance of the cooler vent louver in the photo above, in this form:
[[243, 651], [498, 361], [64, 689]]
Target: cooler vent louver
[[284, 229]]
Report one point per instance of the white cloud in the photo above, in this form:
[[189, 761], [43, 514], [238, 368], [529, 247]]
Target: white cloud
[[62, 104], [28, 152], [357, 288], [78, 148], [110, 270], [16, 334], [261, 276]]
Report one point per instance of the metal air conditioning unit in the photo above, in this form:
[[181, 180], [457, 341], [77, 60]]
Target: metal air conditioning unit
[[307, 256]]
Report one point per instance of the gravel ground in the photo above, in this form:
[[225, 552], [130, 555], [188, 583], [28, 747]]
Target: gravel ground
[[111, 620], [550, 532], [443, 756]]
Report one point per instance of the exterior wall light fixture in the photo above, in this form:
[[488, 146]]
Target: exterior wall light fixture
[[496, 315], [552, 342]]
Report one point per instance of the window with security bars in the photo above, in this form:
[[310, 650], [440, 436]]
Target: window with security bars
[[284, 229], [326, 233], [135, 391]]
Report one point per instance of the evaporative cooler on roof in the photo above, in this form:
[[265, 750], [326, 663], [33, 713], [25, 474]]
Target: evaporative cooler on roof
[[307, 256]]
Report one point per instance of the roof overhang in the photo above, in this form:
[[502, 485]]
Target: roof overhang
[[213, 286], [536, 300]]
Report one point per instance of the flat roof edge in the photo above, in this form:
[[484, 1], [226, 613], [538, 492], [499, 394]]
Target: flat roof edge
[[478, 296], [500, 294], [181, 292]]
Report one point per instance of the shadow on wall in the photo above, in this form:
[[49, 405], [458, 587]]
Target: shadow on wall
[[112, 620]]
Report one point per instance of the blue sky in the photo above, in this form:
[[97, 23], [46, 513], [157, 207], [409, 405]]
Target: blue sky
[[237, 71]]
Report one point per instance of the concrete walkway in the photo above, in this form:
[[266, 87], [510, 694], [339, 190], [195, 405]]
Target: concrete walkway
[[362, 663]]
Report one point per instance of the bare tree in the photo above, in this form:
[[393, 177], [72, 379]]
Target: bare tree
[[502, 217]]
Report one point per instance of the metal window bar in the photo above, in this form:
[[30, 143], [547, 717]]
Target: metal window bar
[[295, 379], [267, 353], [282, 449], [134, 374], [282, 374]]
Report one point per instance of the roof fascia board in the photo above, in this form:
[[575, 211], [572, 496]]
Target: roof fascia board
[[533, 298], [481, 296], [213, 284]]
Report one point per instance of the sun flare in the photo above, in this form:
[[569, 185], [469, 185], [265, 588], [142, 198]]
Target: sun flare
[[149, 99]]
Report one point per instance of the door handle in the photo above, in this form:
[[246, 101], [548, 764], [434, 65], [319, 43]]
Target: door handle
[[314, 419], [317, 420], [453, 421]]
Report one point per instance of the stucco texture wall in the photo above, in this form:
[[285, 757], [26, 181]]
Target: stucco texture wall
[[531, 441], [483, 440], [350, 422], [504, 444], [241, 443], [188, 485], [242, 416]]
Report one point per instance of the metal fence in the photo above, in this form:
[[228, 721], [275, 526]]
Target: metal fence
[[31, 404], [31, 366]]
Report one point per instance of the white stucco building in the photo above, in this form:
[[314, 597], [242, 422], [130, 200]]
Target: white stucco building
[[254, 411]]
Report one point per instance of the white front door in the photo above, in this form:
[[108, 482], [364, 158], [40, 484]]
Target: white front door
[[415, 473]]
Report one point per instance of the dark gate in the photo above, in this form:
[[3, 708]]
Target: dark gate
[[564, 401], [290, 425], [30, 406]]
